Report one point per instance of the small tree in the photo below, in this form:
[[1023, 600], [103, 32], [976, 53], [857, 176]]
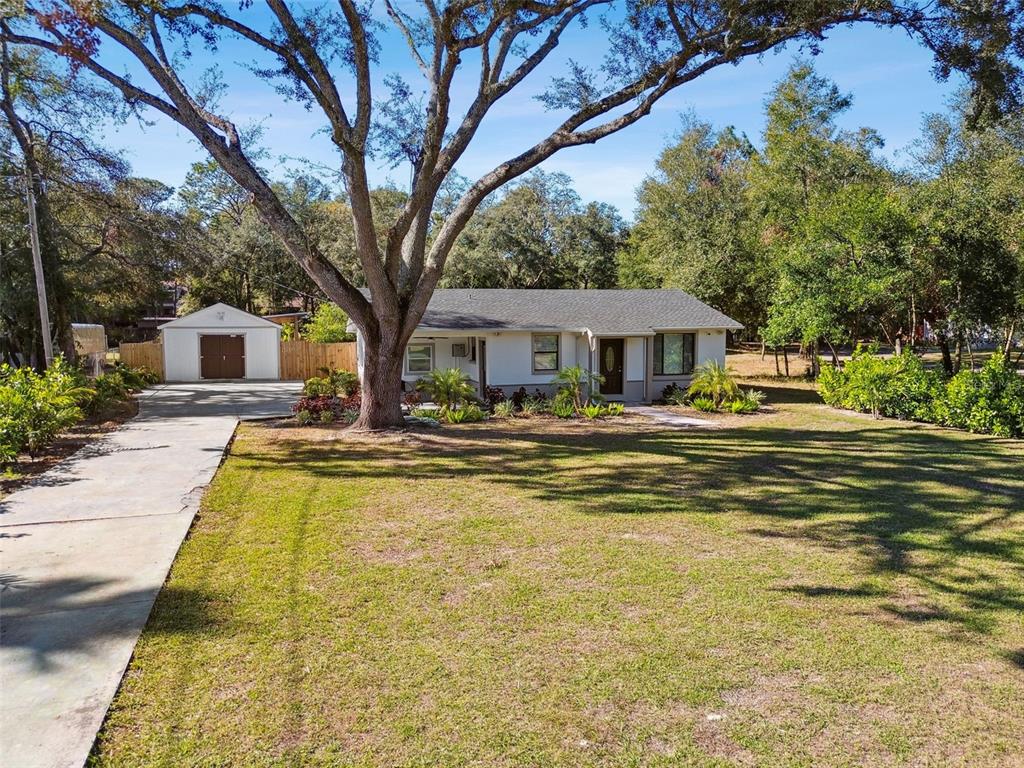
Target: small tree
[[715, 381], [328, 325], [579, 384], [448, 388]]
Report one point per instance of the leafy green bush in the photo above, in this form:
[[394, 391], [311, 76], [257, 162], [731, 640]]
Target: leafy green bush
[[448, 388], [136, 378], [748, 401], [614, 409], [715, 382], [332, 383], [327, 417], [35, 408], [705, 404], [563, 408], [464, 413], [303, 417], [593, 410], [328, 325], [990, 400]]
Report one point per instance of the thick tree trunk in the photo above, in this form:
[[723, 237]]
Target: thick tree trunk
[[381, 390]]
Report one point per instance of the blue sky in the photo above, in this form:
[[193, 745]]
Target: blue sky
[[887, 73]]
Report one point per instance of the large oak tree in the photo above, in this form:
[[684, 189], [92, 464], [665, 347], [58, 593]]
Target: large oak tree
[[326, 56]]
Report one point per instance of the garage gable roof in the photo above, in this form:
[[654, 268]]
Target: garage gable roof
[[220, 315]]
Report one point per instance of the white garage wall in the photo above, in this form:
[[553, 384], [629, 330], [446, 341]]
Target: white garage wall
[[181, 352], [262, 353]]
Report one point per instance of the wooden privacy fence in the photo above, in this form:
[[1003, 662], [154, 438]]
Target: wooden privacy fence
[[303, 359], [149, 354], [300, 360]]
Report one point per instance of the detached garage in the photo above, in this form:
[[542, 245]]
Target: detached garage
[[221, 342]]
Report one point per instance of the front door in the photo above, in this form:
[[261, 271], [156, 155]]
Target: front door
[[221, 356], [610, 351]]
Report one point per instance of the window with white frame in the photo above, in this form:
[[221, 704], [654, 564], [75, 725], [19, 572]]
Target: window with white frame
[[545, 352], [419, 358]]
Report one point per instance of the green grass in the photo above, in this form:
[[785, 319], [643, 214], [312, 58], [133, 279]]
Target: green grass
[[801, 588]]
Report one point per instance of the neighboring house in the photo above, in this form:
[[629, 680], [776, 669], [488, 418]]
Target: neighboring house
[[221, 342], [640, 341]]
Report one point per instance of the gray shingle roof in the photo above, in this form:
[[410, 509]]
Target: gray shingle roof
[[602, 312]]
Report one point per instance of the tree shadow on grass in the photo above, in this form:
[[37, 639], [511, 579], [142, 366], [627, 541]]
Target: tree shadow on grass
[[61, 622], [940, 507]]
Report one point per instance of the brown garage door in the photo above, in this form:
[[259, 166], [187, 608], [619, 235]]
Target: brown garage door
[[221, 356]]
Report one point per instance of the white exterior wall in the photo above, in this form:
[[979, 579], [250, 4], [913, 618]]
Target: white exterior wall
[[510, 358], [710, 346], [181, 351], [442, 355]]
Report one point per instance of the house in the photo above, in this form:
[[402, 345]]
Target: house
[[221, 342], [640, 341]]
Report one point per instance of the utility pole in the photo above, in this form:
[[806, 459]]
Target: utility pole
[[37, 265]]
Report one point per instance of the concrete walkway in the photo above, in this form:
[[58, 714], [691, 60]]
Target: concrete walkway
[[663, 416], [86, 548]]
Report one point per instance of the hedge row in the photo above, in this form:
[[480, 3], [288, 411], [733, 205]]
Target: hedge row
[[990, 400]]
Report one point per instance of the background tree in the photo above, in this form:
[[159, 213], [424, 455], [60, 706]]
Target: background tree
[[652, 48], [538, 235], [695, 226]]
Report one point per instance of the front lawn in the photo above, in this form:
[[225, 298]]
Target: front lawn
[[804, 587]]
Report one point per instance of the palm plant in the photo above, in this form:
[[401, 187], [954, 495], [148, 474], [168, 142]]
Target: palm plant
[[447, 388], [579, 383], [715, 382]]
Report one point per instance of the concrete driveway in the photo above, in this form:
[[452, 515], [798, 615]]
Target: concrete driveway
[[84, 551]]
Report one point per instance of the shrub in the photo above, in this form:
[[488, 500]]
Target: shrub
[[327, 417], [316, 405], [336, 383], [593, 410], [614, 409], [35, 408], [990, 400], [302, 418], [673, 394], [533, 406], [519, 398], [504, 409], [425, 413], [464, 413], [136, 378], [705, 404], [715, 382], [448, 388], [563, 409], [748, 401], [494, 395], [318, 386]]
